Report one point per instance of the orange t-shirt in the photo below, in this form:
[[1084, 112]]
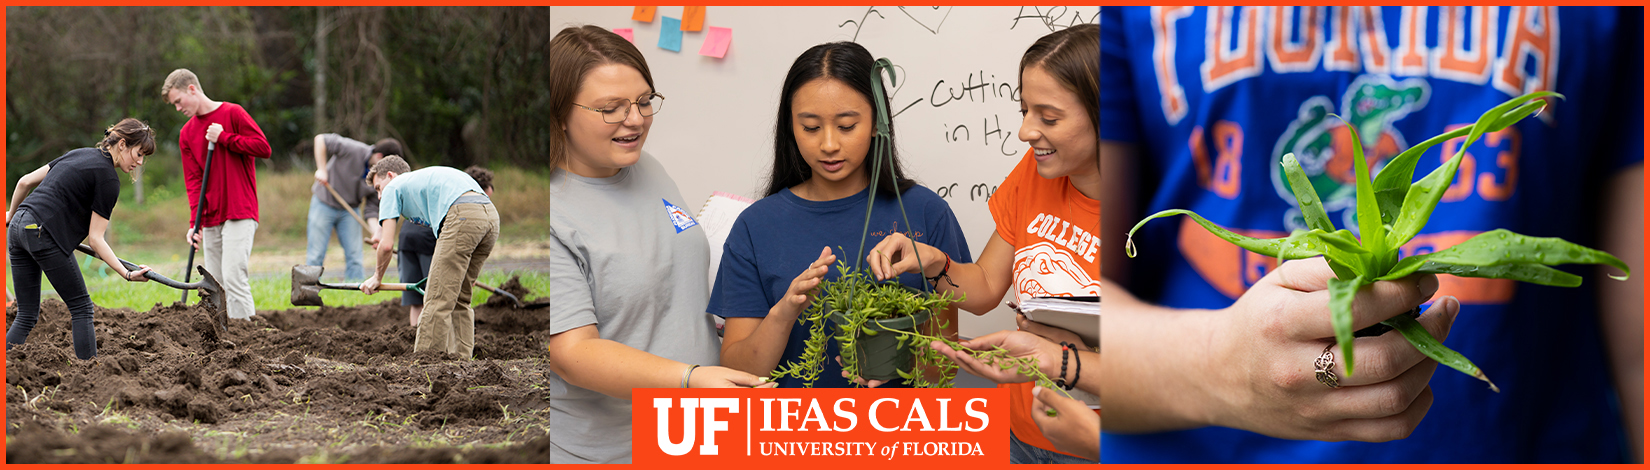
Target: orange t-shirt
[[1055, 232]]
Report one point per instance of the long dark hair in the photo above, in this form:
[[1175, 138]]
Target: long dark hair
[[850, 64]]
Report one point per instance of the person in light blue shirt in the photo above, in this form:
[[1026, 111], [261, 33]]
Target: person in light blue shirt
[[466, 227]]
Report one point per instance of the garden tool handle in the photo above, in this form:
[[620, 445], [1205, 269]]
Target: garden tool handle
[[347, 207], [396, 286], [151, 275], [492, 289]]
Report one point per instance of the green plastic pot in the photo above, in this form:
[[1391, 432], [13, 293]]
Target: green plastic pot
[[882, 356]]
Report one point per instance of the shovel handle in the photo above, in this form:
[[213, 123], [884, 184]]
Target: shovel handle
[[356, 286], [151, 275], [499, 292]]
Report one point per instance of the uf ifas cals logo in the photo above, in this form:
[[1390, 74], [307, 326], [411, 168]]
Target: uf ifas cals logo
[[1324, 146]]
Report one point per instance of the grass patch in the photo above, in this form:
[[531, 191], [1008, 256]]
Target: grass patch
[[275, 293]]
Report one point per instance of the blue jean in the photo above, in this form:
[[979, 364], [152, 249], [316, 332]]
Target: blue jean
[[1022, 453], [323, 221], [32, 254]]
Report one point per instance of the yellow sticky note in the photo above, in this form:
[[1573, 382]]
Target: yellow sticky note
[[643, 14], [693, 18]]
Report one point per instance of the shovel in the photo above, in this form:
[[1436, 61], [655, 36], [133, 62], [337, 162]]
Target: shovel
[[210, 291], [515, 302], [307, 285], [200, 208]]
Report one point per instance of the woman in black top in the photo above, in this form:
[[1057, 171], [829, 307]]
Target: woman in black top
[[57, 206]]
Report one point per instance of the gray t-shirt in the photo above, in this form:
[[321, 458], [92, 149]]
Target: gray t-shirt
[[347, 172], [625, 256]]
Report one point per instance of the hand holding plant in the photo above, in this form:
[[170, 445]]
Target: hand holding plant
[[1018, 345], [1072, 429], [1391, 210], [801, 291], [896, 255]]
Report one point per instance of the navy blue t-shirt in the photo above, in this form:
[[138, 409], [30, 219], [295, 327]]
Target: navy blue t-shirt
[[1213, 98], [779, 236]]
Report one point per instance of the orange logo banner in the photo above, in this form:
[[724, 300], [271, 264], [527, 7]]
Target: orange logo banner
[[846, 426]]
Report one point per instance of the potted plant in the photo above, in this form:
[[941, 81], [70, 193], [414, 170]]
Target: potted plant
[[1390, 211], [872, 323], [880, 329]]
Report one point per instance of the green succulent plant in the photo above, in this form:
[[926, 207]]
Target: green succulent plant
[[1390, 211]]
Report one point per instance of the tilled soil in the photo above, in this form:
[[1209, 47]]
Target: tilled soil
[[304, 385]]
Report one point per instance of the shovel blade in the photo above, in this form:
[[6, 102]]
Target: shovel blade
[[306, 289], [307, 296], [211, 294]]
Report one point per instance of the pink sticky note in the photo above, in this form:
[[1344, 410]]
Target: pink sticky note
[[643, 14], [629, 35], [716, 42], [693, 18]]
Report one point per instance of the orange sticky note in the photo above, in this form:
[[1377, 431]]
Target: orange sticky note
[[643, 14], [693, 18]]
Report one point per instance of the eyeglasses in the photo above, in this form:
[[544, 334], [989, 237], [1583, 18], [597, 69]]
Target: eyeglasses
[[617, 111]]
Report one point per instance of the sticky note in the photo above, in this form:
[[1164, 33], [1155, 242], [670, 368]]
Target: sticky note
[[643, 14], [627, 33], [716, 42], [693, 18], [670, 34]]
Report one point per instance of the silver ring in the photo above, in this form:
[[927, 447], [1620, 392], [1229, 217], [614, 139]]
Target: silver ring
[[1324, 368]]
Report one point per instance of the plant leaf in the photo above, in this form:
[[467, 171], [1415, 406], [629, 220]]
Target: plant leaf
[[1424, 342], [1392, 182], [1532, 273], [1502, 247], [1295, 248], [1306, 196], [1422, 197], [1341, 293], [1369, 214]]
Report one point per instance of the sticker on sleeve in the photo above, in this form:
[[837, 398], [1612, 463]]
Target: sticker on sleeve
[[678, 217]]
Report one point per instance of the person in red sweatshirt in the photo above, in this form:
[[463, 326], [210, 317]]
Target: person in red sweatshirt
[[230, 218]]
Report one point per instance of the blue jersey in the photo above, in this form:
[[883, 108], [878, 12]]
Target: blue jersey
[[1213, 98], [779, 236]]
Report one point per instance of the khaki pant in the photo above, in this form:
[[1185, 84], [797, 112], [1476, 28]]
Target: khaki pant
[[228, 249], [466, 240]]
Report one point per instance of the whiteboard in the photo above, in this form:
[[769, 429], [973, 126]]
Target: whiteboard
[[956, 104]]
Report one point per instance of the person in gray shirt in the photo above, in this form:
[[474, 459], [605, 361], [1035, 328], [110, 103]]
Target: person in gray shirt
[[628, 264], [345, 172]]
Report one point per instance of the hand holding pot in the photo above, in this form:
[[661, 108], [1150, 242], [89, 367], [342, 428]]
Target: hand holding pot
[[1254, 364]]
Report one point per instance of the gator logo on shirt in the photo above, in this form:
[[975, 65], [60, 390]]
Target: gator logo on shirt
[[1046, 270], [1324, 146], [678, 217]]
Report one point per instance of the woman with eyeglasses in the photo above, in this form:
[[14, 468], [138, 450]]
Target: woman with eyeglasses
[[57, 206], [628, 265]]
